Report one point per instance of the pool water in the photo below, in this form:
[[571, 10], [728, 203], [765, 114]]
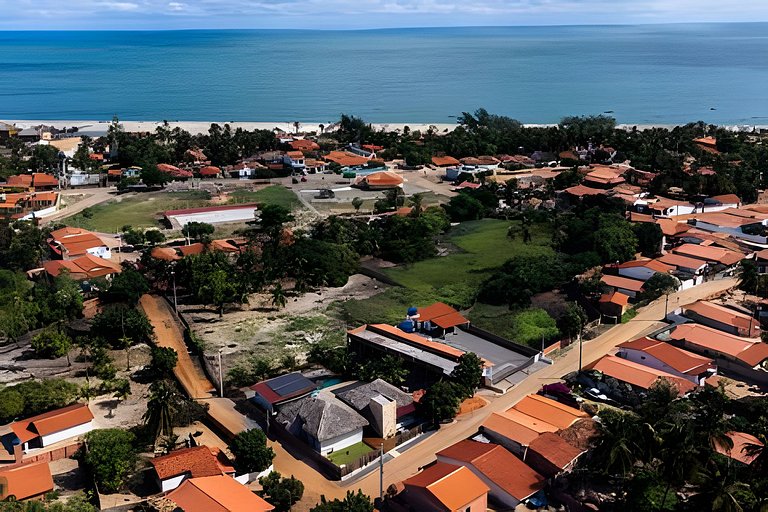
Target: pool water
[[326, 383]]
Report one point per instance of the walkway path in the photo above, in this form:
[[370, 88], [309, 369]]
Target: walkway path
[[95, 196], [409, 462]]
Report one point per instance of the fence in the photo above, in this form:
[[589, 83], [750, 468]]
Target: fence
[[498, 340], [64, 452]]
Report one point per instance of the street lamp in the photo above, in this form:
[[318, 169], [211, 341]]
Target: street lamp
[[175, 307]]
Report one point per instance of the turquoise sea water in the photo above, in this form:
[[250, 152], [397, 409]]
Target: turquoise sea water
[[659, 74]]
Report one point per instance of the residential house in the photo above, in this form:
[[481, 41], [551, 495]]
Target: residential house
[[710, 254], [707, 144], [761, 260], [171, 470], [664, 207], [445, 161], [270, 394], [345, 158], [48, 428], [579, 191], [445, 487], [629, 287], [694, 268], [295, 159], [604, 178], [550, 455], [614, 304], [637, 375], [722, 318], [741, 451], [37, 181], [84, 267], [747, 358], [22, 482], [68, 243], [324, 422], [667, 358], [7, 131], [304, 145], [519, 425], [210, 171], [216, 494], [722, 202], [27, 205], [487, 163], [642, 270], [380, 181], [509, 479], [743, 224], [385, 407]]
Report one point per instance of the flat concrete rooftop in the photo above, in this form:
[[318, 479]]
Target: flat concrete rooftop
[[488, 350]]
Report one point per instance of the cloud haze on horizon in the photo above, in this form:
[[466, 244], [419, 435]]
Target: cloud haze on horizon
[[361, 14]]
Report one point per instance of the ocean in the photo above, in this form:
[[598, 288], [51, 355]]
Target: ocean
[[648, 74]]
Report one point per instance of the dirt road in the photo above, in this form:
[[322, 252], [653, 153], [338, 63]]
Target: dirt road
[[95, 196], [409, 462]]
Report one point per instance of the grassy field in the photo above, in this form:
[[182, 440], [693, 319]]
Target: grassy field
[[139, 211], [142, 211], [349, 454], [274, 194], [482, 246]]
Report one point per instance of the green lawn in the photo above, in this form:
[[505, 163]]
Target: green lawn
[[349, 454], [139, 211], [483, 246], [274, 194]]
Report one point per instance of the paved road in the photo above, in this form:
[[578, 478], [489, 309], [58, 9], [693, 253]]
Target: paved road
[[408, 463], [96, 196]]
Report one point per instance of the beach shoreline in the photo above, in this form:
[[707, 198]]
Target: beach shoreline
[[201, 127]]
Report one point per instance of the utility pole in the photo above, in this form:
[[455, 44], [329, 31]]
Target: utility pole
[[581, 328], [666, 306], [221, 379], [175, 306], [381, 473]]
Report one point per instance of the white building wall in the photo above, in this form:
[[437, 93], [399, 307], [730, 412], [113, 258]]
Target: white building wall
[[75, 431], [341, 442], [496, 491], [650, 361], [170, 484], [102, 252]]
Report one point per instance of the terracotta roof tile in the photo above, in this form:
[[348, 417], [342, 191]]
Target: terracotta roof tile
[[724, 315], [217, 494], [27, 480], [623, 283], [445, 161], [741, 440], [453, 486], [198, 461], [709, 253], [636, 374], [498, 465], [555, 449], [617, 298], [679, 359], [51, 422]]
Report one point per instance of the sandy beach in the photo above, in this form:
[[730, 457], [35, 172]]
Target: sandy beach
[[196, 127]]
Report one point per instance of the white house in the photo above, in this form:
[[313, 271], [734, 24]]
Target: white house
[[51, 427], [667, 358], [323, 422], [198, 461]]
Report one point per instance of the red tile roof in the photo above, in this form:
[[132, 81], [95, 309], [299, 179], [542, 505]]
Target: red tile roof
[[654, 265], [726, 316], [84, 267], [498, 465], [383, 179], [345, 159], [636, 374], [623, 283], [727, 199], [445, 161], [304, 145], [198, 461], [739, 452], [709, 253], [453, 486], [51, 422], [555, 449], [26, 481], [582, 190], [442, 315], [617, 298], [677, 358], [216, 494], [680, 261], [210, 170]]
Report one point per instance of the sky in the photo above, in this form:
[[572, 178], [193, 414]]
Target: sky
[[362, 14]]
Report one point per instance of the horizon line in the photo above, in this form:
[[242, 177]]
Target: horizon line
[[369, 29]]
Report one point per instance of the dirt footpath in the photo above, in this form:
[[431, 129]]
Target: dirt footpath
[[169, 334]]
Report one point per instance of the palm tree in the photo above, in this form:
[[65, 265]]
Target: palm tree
[[279, 300], [296, 125], [125, 342], [416, 202], [163, 403]]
